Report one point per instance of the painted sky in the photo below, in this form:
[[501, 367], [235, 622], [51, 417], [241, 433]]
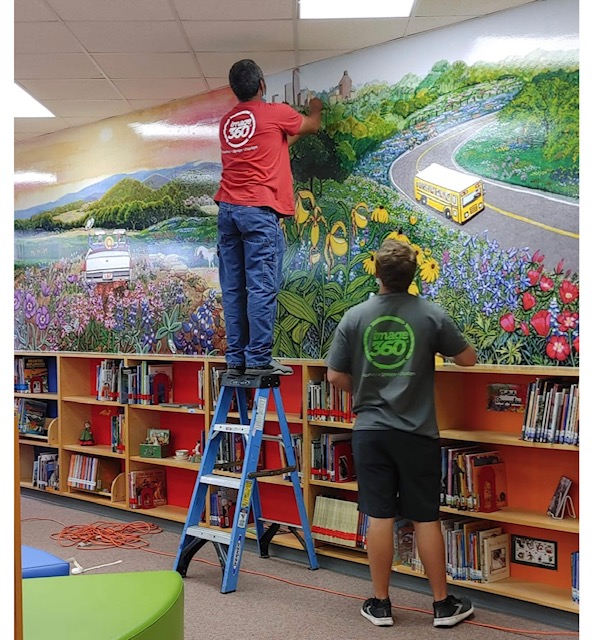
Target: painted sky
[[165, 136]]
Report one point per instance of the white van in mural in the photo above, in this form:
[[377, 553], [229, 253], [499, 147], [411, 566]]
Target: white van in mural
[[108, 256]]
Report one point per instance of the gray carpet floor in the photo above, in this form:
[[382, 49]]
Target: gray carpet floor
[[276, 599]]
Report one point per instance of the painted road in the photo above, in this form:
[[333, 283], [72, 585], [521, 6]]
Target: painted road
[[514, 216]]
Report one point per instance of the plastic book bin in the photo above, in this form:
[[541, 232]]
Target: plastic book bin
[[41, 564], [144, 605]]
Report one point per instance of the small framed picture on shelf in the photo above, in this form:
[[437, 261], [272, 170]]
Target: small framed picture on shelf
[[561, 500], [534, 552]]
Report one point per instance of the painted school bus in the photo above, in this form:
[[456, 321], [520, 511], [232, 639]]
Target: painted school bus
[[459, 196]]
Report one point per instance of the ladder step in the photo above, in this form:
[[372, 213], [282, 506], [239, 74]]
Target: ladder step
[[221, 481], [214, 535], [232, 428]]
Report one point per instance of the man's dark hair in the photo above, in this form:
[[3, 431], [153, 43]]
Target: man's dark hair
[[244, 79], [395, 265]]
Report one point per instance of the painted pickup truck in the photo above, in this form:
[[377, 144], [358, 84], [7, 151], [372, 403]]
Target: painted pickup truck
[[108, 257]]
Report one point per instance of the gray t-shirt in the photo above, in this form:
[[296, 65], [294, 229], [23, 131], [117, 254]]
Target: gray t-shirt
[[388, 345]]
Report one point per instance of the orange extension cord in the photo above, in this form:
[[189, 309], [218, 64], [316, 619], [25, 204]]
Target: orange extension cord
[[109, 535]]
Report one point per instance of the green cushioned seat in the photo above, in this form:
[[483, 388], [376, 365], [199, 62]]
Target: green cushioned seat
[[145, 605]]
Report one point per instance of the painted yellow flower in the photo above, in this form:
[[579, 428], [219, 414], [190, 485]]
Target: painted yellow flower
[[430, 270], [379, 214], [316, 219], [413, 219], [427, 251], [314, 255], [419, 253], [362, 243], [336, 243], [301, 213], [369, 263], [357, 218], [398, 235], [413, 289]]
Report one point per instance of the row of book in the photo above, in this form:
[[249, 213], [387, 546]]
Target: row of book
[[31, 415], [46, 472], [223, 501], [31, 374], [472, 479], [332, 457], [91, 473], [327, 402], [339, 522], [552, 412], [146, 384]]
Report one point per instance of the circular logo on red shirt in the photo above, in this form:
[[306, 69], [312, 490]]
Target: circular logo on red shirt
[[239, 128]]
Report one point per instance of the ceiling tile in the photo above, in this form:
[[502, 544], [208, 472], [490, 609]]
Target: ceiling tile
[[218, 64], [101, 10], [69, 89], [54, 65], [33, 11], [124, 37], [348, 34], [43, 37], [97, 109], [235, 10], [307, 57], [147, 65], [418, 25], [147, 104], [216, 83], [274, 35], [38, 125], [166, 88], [464, 7]]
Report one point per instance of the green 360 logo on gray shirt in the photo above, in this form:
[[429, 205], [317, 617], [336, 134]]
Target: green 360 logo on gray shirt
[[388, 342]]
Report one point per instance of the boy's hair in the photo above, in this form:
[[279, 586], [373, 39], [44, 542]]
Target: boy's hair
[[395, 265], [244, 79]]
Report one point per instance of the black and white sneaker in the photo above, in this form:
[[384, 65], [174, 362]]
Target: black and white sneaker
[[378, 611], [274, 368], [451, 611], [235, 370]]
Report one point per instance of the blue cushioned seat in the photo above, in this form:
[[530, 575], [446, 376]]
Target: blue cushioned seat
[[41, 564]]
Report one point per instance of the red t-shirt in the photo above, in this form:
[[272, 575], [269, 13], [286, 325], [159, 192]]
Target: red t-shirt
[[255, 155]]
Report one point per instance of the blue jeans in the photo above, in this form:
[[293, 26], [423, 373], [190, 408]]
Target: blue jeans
[[251, 248]]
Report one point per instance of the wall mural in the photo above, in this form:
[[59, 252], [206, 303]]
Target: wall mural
[[473, 159]]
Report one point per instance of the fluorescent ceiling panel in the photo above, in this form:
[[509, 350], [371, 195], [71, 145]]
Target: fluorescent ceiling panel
[[25, 106], [333, 9]]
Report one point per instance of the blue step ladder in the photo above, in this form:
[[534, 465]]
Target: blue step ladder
[[229, 545]]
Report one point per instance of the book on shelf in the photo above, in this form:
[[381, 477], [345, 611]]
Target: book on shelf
[[148, 488], [91, 473], [31, 416], [496, 551], [490, 483], [47, 471], [160, 383], [117, 433], [559, 500], [31, 374], [575, 576]]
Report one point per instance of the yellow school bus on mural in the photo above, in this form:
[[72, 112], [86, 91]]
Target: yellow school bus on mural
[[457, 195]]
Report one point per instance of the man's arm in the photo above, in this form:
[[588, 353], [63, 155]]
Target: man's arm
[[466, 358], [341, 380], [311, 122]]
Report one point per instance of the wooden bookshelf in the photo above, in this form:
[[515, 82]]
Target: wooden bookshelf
[[460, 403]]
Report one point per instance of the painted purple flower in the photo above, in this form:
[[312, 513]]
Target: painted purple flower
[[30, 305], [45, 289], [19, 296], [42, 317]]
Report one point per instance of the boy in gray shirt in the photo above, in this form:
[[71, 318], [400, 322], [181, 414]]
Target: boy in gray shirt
[[383, 352]]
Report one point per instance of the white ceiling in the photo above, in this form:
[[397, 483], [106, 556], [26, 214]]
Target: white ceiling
[[87, 60]]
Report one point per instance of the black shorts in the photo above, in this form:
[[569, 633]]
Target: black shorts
[[398, 473]]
